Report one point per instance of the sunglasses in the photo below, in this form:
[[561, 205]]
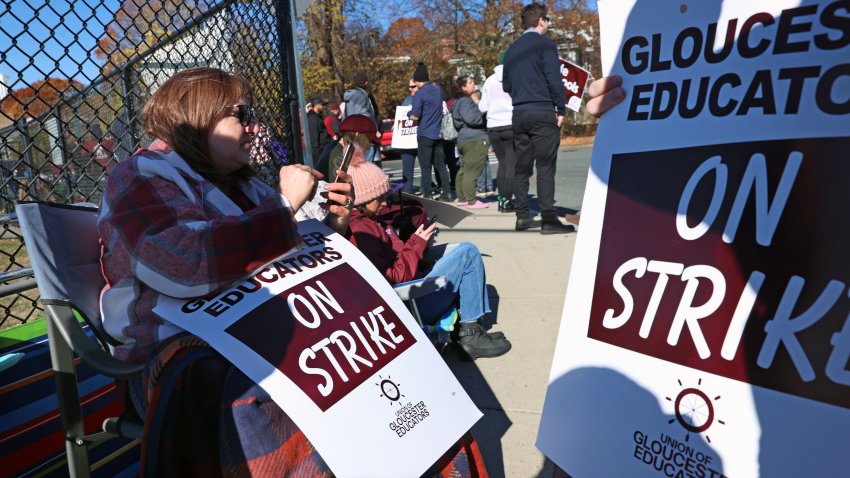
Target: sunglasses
[[411, 86], [246, 114], [546, 17]]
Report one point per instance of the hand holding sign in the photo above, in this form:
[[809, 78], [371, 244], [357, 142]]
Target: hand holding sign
[[605, 93]]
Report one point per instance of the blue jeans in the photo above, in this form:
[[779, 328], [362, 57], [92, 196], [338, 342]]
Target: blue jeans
[[430, 152], [464, 272], [408, 159], [484, 183]]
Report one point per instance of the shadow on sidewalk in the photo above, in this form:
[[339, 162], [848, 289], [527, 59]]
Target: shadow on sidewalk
[[533, 205], [491, 428]]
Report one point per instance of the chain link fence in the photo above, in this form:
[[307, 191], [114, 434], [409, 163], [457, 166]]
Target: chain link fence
[[74, 75]]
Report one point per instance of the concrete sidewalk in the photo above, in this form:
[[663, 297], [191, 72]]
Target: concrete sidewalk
[[527, 277]]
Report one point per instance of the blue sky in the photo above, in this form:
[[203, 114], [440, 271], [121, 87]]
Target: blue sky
[[79, 62], [17, 45]]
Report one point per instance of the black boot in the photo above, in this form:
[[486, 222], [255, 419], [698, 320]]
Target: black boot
[[554, 226], [525, 223], [477, 343]]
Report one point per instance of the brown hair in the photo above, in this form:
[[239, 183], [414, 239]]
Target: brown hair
[[186, 108], [460, 82], [360, 140], [531, 14]]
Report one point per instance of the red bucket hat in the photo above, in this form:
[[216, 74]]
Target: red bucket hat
[[360, 124]]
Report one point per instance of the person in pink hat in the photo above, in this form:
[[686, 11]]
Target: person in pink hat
[[399, 261]]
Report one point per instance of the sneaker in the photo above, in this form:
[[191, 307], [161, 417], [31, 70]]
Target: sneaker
[[460, 203], [477, 205], [477, 343], [505, 204]]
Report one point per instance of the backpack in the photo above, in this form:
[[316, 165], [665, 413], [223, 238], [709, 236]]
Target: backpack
[[447, 130]]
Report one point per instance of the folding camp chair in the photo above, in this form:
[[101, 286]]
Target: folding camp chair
[[64, 249], [415, 289]]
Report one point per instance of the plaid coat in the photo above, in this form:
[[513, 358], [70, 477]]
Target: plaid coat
[[168, 231]]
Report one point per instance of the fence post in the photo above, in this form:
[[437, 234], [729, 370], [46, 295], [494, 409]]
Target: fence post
[[285, 31], [60, 142]]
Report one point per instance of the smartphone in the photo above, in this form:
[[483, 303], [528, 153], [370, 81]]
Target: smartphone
[[431, 220], [347, 154]]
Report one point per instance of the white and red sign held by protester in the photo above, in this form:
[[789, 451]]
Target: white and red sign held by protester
[[404, 129], [574, 78], [705, 330], [323, 332]]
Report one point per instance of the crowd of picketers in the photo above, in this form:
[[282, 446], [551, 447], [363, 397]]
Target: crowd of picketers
[[186, 216], [518, 112]]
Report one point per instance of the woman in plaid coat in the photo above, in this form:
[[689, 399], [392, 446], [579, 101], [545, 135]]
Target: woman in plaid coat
[[184, 218]]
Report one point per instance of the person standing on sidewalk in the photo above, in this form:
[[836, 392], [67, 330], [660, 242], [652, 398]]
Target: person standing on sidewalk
[[319, 138], [428, 109], [358, 100], [408, 156], [498, 107], [472, 143], [531, 76]]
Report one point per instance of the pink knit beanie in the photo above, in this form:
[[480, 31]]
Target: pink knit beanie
[[370, 181]]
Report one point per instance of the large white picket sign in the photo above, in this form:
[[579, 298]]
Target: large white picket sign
[[705, 330], [323, 332]]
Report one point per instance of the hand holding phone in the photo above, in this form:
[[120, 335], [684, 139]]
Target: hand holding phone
[[427, 231]]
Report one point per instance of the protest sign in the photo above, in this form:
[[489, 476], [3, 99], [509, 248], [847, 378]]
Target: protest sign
[[447, 214], [323, 332], [404, 129], [705, 330], [574, 78]]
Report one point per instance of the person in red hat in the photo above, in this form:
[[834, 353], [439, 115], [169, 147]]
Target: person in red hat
[[359, 130]]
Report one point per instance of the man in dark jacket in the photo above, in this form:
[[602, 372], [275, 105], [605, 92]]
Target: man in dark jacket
[[532, 77], [427, 108], [318, 133]]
